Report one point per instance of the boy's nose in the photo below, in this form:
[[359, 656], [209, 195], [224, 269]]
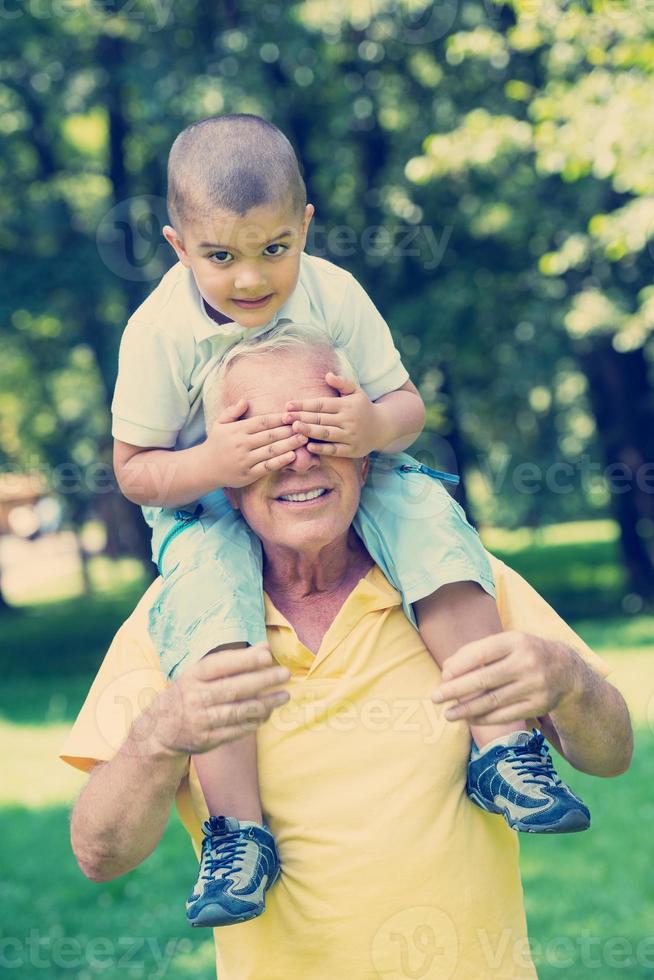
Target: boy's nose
[[248, 278]]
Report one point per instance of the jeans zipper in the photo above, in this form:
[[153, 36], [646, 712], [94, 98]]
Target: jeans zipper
[[427, 470]]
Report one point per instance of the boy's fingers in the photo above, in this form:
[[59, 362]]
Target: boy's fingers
[[267, 436], [259, 423], [276, 449], [271, 465], [329, 448], [329, 405], [233, 412], [344, 385], [313, 418], [326, 433]]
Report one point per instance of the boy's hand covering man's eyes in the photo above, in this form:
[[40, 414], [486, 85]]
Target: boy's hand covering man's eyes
[[241, 451], [349, 425]]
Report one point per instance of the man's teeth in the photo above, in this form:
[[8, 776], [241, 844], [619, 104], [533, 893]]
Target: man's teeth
[[309, 495]]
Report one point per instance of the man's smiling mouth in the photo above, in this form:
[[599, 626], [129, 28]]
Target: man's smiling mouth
[[300, 496]]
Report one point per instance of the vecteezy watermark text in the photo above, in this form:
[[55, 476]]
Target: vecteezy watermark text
[[381, 242], [147, 956], [564, 476], [130, 241]]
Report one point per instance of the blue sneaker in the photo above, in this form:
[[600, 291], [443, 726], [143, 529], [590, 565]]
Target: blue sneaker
[[515, 776], [238, 865]]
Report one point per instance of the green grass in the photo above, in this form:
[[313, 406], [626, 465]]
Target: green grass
[[587, 889], [588, 896], [57, 924], [576, 567]]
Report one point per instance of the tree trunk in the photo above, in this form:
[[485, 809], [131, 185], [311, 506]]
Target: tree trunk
[[623, 402], [87, 585], [4, 605], [127, 532]]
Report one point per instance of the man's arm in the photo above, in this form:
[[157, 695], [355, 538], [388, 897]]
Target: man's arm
[[515, 675], [120, 816], [122, 811], [590, 727]]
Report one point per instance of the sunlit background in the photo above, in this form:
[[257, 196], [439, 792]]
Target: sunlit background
[[487, 171]]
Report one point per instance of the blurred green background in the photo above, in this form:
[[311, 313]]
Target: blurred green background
[[487, 171]]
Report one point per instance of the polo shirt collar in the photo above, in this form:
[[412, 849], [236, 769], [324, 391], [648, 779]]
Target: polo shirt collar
[[373, 593]]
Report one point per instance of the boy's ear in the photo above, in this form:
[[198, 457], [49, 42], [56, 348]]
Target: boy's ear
[[306, 221], [177, 244]]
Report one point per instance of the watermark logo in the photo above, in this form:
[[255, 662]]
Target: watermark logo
[[125, 699], [414, 944], [129, 239]]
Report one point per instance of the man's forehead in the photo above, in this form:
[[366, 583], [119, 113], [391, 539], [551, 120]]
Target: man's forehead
[[268, 383]]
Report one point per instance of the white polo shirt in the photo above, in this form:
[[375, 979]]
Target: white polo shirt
[[170, 344]]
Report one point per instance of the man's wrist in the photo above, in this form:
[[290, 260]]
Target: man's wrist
[[145, 740], [573, 686]]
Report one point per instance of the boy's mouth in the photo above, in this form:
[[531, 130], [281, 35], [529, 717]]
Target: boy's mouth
[[253, 304]]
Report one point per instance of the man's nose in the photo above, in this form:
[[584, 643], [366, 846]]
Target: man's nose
[[304, 461]]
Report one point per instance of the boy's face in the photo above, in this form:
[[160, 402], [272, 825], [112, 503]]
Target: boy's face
[[247, 266]]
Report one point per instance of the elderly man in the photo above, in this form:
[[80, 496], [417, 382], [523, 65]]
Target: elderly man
[[388, 869]]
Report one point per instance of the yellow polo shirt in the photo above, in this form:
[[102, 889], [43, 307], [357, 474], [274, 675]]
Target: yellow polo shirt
[[389, 871]]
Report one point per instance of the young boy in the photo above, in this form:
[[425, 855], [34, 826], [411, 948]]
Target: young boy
[[239, 217]]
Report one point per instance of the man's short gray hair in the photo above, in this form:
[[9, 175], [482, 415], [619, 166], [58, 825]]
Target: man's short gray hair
[[287, 337]]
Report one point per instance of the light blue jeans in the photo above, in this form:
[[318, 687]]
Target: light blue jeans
[[211, 563]]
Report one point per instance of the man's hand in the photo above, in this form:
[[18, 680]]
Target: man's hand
[[507, 677], [219, 699], [240, 451], [350, 425]]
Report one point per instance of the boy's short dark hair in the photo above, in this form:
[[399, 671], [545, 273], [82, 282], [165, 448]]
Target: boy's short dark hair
[[231, 163]]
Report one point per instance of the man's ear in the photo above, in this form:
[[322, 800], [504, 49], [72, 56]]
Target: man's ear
[[365, 466], [230, 493], [175, 241]]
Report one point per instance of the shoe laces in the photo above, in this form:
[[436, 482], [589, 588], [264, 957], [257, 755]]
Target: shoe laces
[[222, 849], [533, 759]]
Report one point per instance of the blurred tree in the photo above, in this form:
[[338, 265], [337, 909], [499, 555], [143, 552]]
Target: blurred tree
[[556, 159], [484, 170]]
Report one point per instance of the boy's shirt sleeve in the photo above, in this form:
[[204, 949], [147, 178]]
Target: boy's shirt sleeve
[[363, 332], [151, 399]]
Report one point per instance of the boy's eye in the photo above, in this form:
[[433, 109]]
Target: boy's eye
[[221, 257], [275, 249]]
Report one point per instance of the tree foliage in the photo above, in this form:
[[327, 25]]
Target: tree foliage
[[485, 169]]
